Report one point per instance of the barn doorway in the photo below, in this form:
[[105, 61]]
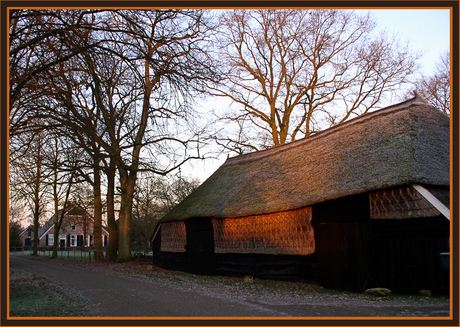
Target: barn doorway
[[200, 246]]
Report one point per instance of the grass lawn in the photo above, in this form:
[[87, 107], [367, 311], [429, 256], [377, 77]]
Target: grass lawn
[[32, 296]]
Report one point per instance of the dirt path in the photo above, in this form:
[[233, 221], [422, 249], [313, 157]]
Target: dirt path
[[117, 295]]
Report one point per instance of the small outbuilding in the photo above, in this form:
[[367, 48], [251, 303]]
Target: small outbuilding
[[362, 204]]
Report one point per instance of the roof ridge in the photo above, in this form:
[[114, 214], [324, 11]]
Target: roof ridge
[[364, 117]]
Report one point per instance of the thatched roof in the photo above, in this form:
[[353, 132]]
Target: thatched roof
[[399, 145]]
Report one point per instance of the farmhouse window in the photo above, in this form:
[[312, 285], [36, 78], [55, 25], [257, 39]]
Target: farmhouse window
[[73, 240], [173, 236], [289, 233], [51, 239]]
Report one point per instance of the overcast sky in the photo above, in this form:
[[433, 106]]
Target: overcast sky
[[426, 30]]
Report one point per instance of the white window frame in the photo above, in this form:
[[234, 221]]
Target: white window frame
[[50, 239], [73, 240]]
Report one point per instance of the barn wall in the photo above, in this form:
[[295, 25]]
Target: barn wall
[[200, 256], [400, 203], [167, 260], [358, 252], [345, 255], [279, 267], [285, 233], [348, 209], [173, 237], [407, 254], [353, 251]]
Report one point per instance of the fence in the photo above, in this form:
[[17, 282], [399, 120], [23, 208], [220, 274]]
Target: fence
[[73, 253]]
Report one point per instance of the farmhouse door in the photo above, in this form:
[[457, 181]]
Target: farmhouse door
[[200, 246]]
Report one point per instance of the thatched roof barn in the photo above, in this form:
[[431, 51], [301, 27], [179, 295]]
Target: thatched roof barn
[[298, 200], [402, 144]]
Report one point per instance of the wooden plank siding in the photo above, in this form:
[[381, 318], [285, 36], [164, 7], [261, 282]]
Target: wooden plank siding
[[265, 266], [344, 255], [357, 252], [407, 254]]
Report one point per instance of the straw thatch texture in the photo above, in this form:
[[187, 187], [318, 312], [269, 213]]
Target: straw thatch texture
[[400, 203], [173, 236], [398, 145], [281, 233]]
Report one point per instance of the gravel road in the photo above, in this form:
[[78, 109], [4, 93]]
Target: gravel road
[[114, 290]]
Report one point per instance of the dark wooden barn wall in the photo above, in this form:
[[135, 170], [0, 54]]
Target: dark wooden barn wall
[[201, 259], [266, 266], [348, 209], [344, 255], [407, 254], [355, 252], [168, 260], [343, 232]]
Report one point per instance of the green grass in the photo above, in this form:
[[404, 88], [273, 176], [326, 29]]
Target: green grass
[[33, 296]]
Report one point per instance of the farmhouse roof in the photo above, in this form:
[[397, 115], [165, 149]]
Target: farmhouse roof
[[402, 144], [74, 211]]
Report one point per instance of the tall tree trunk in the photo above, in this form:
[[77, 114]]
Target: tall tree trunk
[[98, 250], [128, 176], [57, 219], [127, 182], [37, 199], [36, 216], [56, 208], [113, 235], [56, 229]]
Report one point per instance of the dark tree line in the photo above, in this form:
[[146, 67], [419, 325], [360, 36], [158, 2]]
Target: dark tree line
[[113, 84]]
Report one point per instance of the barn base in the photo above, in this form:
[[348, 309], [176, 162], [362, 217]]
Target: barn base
[[275, 267]]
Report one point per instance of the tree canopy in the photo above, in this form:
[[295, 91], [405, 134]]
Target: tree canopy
[[291, 73]]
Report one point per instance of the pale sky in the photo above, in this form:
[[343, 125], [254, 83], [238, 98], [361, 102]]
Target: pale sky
[[426, 30]]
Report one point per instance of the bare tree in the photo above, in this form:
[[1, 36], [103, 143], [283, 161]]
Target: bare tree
[[293, 72], [38, 41], [28, 179], [166, 44], [60, 160], [436, 88], [154, 197], [123, 100]]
